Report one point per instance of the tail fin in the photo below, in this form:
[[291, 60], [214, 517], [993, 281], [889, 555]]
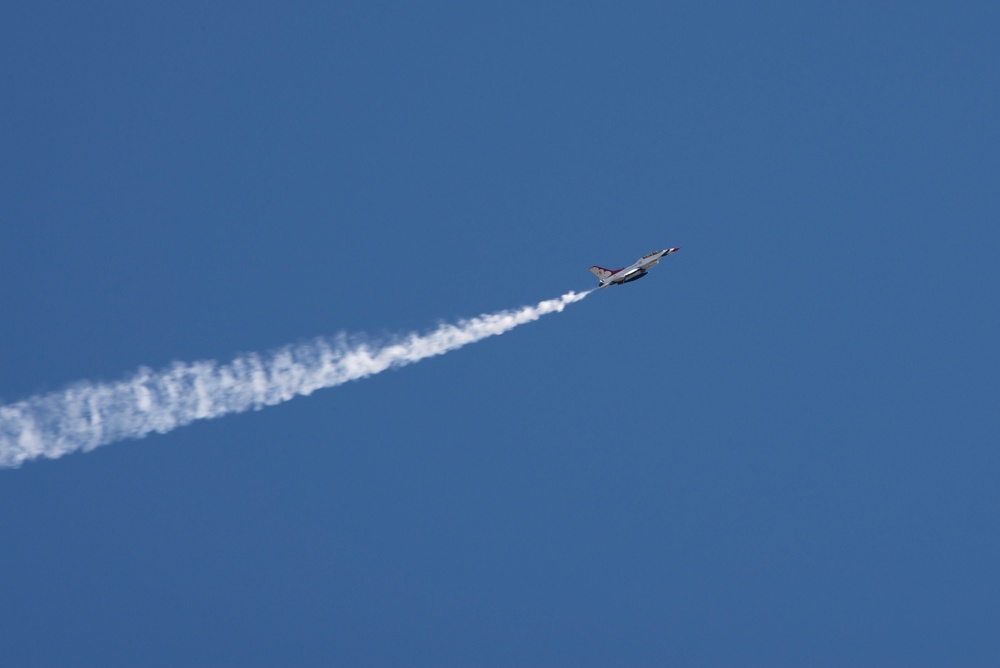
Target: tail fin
[[601, 272]]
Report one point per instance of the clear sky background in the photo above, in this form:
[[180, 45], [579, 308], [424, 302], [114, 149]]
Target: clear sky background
[[779, 449]]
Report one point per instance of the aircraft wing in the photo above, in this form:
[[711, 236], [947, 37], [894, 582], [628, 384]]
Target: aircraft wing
[[627, 274]]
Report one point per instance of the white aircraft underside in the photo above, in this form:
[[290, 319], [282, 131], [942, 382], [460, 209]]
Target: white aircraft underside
[[632, 272]]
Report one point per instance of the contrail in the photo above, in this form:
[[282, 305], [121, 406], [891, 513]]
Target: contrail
[[87, 415]]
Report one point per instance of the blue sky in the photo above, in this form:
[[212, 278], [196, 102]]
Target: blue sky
[[778, 449]]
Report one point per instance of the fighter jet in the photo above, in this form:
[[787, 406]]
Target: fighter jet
[[632, 272]]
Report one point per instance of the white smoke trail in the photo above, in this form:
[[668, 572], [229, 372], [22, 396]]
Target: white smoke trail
[[87, 415]]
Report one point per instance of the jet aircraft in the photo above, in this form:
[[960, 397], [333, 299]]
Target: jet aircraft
[[632, 272]]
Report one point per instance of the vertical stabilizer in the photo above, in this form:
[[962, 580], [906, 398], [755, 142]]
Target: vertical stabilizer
[[601, 272]]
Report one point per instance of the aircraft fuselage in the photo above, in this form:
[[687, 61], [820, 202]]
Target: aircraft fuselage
[[633, 272]]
